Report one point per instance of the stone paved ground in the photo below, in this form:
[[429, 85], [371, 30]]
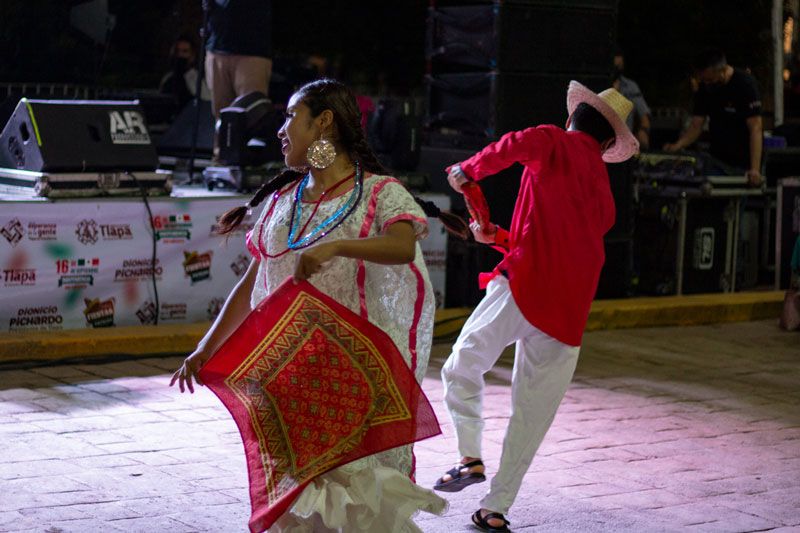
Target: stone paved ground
[[694, 428]]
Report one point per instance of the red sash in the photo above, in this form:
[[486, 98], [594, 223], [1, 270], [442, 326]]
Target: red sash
[[476, 204]]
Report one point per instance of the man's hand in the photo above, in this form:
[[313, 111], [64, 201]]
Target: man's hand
[[456, 178], [489, 237], [753, 178], [671, 147]]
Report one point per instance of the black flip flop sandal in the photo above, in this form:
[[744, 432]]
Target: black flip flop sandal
[[483, 522], [460, 481]]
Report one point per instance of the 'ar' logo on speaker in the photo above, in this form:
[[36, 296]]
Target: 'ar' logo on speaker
[[127, 127]]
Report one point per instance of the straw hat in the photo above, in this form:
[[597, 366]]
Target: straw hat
[[615, 108]]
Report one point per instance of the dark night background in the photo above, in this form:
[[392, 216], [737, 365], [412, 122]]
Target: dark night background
[[368, 40]]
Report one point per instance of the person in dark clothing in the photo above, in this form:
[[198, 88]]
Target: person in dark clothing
[[181, 81], [238, 50], [729, 96], [639, 120]]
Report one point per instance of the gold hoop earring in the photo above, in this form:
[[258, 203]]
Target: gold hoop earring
[[321, 153]]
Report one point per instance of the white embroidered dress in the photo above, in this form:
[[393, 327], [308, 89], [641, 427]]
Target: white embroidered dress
[[374, 493]]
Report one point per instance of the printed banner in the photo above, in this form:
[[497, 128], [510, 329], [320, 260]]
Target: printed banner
[[88, 263], [434, 248]]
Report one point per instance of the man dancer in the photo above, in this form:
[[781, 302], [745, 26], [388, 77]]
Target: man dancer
[[539, 295]]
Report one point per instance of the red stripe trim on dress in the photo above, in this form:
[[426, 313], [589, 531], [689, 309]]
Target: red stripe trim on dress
[[261, 228], [264, 220], [412, 344], [373, 205], [252, 247], [410, 217], [412, 333], [361, 275]]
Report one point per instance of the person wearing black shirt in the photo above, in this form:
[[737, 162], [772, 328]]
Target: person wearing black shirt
[[181, 81], [730, 98], [239, 50]]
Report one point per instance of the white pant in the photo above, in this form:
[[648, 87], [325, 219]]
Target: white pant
[[543, 368]]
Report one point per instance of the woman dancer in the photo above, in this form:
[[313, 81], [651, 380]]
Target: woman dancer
[[352, 230]]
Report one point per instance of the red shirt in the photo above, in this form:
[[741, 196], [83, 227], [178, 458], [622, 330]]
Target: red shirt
[[563, 209]]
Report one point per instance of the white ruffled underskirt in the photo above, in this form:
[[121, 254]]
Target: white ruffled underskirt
[[361, 496]]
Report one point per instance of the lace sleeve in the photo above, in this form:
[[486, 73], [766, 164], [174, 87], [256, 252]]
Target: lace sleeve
[[395, 203]]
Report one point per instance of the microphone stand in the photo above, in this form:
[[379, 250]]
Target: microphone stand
[[201, 60]]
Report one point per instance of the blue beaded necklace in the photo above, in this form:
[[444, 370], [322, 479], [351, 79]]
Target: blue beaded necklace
[[328, 224]]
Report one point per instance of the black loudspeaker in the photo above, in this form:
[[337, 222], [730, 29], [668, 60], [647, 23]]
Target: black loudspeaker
[[621, 181], [616, 277], [465, 260], [501, 189], [522, 37], [596, 4], [492, 103], [393, 131], [177, 140], [71, 135]]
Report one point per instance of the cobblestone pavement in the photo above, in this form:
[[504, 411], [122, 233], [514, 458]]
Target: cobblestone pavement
[[694, 428]]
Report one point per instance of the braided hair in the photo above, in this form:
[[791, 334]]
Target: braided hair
[[320, 95]]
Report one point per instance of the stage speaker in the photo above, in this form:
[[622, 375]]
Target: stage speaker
[[616, 277], [393, 131], [522, 37], [596, 4], [77, 136], [465, 261], [177, 140], [494, 103], [501, 189], [621, 181]]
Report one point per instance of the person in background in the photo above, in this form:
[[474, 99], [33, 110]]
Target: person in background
[[729, 97], [639, 120], [538, 296], [238, 51], [181, 80], [795, 265]]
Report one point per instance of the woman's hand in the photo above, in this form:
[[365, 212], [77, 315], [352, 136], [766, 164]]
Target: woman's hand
[[310, 260], [190, 370], [233, 313]]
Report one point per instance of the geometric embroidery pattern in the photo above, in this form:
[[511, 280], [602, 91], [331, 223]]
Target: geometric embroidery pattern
[[312, 386]]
